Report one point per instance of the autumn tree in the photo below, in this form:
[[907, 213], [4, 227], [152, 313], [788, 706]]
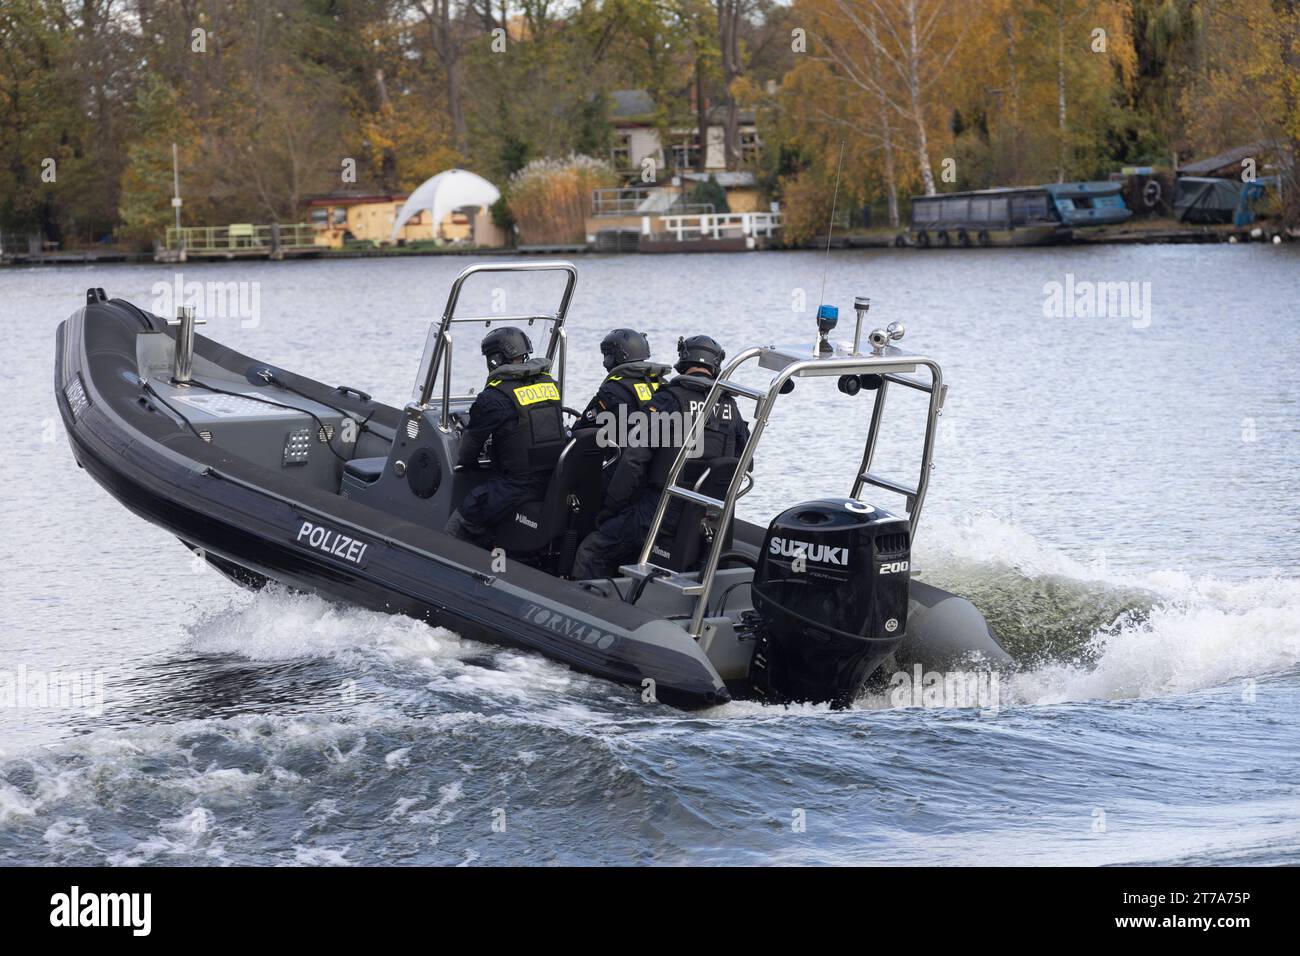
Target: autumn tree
[[897, 54], [63, 70], [270, 101], [1249, 93], [1045, 92], [448, 34]]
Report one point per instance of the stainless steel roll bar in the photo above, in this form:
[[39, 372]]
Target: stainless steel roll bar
[[893, 365], [437, 347]]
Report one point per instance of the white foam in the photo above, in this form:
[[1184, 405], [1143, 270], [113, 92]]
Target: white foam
[[322, 810], [986, 538], [83, 768], [196, 822], [67, 834], [213, 780], [15, 804], [320, 856], [1200, 632], [142, 853], [402, 807], [276, 625], [177, 838], [1183, 645], [441, 813]]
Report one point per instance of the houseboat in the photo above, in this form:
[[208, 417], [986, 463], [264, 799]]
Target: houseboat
[[1014, 216], [987, 217], [1089, 203]]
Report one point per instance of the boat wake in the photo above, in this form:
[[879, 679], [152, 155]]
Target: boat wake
[[1080, 632], [295, 731], [1088, 632], [383, 655]]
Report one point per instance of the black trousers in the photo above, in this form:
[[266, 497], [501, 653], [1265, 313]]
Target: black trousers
[[488, 504], [617, 541]]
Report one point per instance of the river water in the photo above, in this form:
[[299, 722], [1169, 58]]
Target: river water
[[1118, 494]]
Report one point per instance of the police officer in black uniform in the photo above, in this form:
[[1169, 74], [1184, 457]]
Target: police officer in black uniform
[[632, 380], [638, 481], [520, 411]]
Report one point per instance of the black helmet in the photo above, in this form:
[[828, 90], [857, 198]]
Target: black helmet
[[699, 350], [505, 345], [624, 345]]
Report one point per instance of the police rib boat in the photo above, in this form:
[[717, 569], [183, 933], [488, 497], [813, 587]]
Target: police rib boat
[[272, 476]]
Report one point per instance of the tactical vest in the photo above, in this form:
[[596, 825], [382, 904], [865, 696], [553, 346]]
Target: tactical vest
[[721, 435], [533, 443], [636, 388]]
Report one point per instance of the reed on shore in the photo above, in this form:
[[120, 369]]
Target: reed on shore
[[550, 199]]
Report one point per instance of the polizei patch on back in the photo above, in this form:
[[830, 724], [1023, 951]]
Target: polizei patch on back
[[334, 543], [538, 392]]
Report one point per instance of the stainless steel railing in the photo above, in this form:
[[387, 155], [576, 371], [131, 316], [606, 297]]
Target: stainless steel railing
[[438, 348], [892, 364]]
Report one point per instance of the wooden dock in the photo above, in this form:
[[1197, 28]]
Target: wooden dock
[[73, 257]]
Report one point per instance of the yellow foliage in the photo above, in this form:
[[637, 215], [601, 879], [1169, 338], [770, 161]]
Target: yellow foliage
[[408, 143], [1000, 66], [1247, 94]]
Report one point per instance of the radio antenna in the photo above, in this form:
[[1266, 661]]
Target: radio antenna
[[831, 227]]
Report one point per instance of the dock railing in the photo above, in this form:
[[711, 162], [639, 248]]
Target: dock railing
[[638, 200], [720, 225], [617, 202], [242, 238]]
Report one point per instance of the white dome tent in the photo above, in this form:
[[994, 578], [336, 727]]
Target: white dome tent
[[446, 192]]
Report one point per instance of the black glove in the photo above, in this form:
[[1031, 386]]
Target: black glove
[[605, 514]]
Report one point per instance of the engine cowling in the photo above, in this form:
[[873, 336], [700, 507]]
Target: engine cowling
[[831, 594]]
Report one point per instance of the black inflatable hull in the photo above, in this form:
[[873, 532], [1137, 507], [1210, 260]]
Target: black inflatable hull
[[250, 523]]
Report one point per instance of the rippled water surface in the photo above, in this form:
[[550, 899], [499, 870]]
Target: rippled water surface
[[1118, 495]]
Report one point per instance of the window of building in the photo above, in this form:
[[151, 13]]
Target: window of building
[[621, 154], [686, 155]]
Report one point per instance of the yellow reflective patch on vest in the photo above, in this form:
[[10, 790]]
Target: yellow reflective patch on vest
[[540, 392], [642, 391]]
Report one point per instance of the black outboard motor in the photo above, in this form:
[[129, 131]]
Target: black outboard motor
[[831, 592]]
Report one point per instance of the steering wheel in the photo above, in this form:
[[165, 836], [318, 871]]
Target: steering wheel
[[569, 411]]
